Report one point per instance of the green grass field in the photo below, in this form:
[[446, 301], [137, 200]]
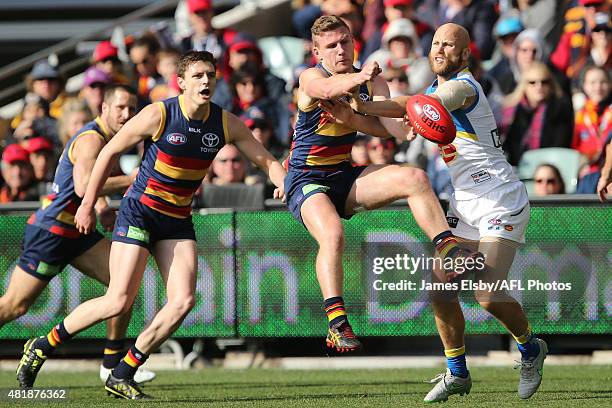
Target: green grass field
[[493, 387]]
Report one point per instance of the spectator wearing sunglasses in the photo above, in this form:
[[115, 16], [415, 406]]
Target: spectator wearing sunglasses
[[382, 151], [537, 114], [548, 180]]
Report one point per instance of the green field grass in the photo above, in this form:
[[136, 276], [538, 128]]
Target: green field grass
[[493, 387]]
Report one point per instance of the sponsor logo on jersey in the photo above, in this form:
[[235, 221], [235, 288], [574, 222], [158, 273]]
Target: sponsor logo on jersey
[[210, 140], [176, 139], [508, 227], [364, 97], [481, 176], [195, 130], [495, 221], [431, 112]]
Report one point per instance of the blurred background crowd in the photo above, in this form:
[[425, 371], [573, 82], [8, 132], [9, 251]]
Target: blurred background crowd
[[544, 64]]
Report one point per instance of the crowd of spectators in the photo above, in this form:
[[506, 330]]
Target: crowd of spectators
[[544, 65]]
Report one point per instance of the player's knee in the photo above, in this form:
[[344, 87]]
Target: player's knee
[[117, 305], [11, 310], [411, 178], [488, 300], [333, 239], [182, 306]]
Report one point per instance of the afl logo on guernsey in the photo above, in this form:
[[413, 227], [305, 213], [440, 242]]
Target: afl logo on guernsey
[[176, 139], [431, 112], [210, 140]]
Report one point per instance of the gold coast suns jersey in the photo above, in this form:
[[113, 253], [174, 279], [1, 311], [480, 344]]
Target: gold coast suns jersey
[[475, 159]]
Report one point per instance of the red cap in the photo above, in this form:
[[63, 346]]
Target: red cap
[[104, 50], [589, 2], [242, 45], [199, 5], [15, 153], [39, 143], [391, 3]]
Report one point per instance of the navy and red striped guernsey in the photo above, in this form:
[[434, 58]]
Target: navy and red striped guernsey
[[56, 214], [177, 157], [319, 145]]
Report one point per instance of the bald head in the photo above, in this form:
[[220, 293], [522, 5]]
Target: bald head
[[452, 30], [449, 50]]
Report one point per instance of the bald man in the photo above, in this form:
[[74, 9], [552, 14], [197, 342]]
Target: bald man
[[489, 210]]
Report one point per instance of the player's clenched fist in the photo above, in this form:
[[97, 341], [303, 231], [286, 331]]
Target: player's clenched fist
[[370, 71]]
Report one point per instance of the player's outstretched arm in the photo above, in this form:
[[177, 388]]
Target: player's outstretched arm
[[316, 85], [143, 125], [604, 186], [242, 137], [341, 112]]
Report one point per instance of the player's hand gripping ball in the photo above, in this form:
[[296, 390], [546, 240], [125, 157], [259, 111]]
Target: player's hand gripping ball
[[430, 119]]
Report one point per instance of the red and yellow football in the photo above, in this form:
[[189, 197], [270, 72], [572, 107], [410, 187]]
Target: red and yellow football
[[430, 119]]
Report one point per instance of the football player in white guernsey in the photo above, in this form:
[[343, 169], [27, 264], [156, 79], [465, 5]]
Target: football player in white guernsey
[[489, 210]]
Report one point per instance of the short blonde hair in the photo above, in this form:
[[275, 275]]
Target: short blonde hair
[[325, 24]]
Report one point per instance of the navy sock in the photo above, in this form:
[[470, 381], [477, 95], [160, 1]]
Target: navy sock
[[53, 339], [334, 309], [113, 352], [129, 364]]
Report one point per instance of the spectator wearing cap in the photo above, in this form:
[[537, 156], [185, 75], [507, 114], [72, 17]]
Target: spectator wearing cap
[[204, 37], [106, 58], [143, 54], [401, 49], [574, 47], [507, 28], [263, 131], [394, 10], [249, 90], [244, 51], [94, 85], [528, 48], [75, 115], [18, 176], [45, 81], [42, 158]]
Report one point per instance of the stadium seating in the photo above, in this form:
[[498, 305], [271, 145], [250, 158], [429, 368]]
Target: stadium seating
[[235, 195], [282, 55]]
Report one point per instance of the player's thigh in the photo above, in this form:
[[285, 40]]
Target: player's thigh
[[499, 254], [23, 289], [379, 185], [177, 263], [126, 264], [321, 218], [95, 261]]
